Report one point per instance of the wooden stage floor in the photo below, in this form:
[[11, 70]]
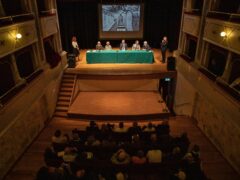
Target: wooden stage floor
[[118, 105]]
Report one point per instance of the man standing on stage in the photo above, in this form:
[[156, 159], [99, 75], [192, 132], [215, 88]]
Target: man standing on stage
[[164, 44]]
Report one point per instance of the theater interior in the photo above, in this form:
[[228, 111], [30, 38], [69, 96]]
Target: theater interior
[[116, 114]]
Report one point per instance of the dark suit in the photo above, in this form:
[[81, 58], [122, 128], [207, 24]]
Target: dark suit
[[146, 47], [123, 46], [99, 47], [164, 49]]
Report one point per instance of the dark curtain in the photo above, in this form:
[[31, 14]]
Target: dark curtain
[[80, 18], [162, 18]]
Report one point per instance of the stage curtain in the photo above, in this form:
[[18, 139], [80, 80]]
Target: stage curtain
[[80, 18]]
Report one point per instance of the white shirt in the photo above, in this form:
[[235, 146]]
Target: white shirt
[[75, 44]]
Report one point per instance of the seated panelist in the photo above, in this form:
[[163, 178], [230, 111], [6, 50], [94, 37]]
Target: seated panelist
[[123, 45], [108, 46], [99, 46], [146, 46], [136, 46]]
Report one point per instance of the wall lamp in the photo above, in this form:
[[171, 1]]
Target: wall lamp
[[223, 34], [18, 36]]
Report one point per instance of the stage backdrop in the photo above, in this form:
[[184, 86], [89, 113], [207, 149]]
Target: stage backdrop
[[80, 18]]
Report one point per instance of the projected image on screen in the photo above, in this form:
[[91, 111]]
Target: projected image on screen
[[117, 18]]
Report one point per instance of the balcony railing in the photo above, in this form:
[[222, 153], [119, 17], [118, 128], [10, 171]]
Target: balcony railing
[[224, 16], [17, 88], [196, 12], [50, 12], [8, 20]]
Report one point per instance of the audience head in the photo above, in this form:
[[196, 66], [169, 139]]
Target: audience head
[[120, 176], [57, 133], [196, 148], [176, 150], [135, 138], [140, 154], [121, 155], [154, 137], [92, 123], [123, 41], [90, 139], [145, 43], [189, 157], [108, 43], [66, 137], [121, 125], [181, 175], [136, 42], [80, 173], [99, 43], [150, 125], [135, 124]]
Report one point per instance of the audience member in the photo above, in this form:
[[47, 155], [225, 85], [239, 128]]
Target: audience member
[[58, 138], [136, 141], [121, 128], [154, 140], [139, 158], [50, 173], [92, 128], [149, 128], [135, 129], [108, 142], [92, 141], [121, 176], [120, 157], [163, 129], [195, 152], [69, 154], [75, 138], [51, 158], [154, 156]]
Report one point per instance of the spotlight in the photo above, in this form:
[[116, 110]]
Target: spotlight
[[223, 34], [18, 36]]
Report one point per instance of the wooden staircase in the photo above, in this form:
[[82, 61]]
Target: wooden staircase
[[64, 95]]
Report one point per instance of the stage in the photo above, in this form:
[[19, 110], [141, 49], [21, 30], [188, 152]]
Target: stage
[[118, 106]]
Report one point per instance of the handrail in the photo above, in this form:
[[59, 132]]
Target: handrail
[[219, 12], [19, 15], [186, 103], [73, 91], [47, 11]]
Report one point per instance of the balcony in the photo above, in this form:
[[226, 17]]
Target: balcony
[[9, 20], [230, 39], [8, 41], [235, 18], [191, 24], [48, 25]]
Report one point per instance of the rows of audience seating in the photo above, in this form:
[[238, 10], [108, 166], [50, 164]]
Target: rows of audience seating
[[116, 152]]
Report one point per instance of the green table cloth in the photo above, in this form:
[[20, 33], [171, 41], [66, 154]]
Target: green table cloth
[[116, 56]]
